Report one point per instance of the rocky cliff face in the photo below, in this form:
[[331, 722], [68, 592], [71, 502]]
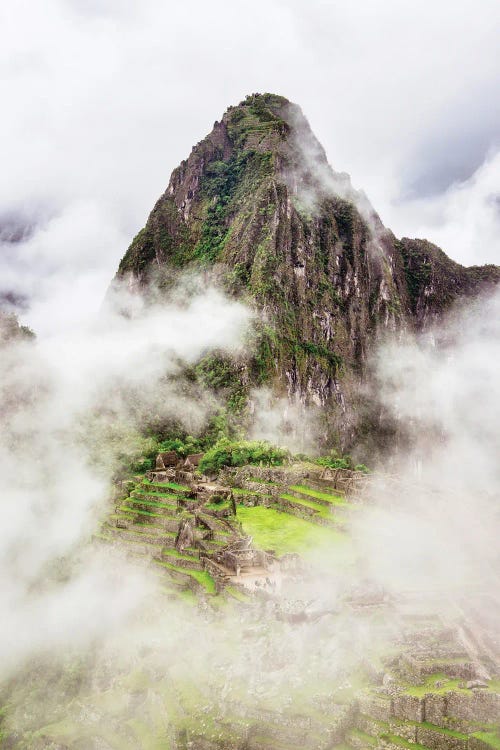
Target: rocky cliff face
[[257, 203]]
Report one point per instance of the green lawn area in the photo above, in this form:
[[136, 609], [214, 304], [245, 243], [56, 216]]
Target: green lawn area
[[334, 499], [282, 532], [429, 686]]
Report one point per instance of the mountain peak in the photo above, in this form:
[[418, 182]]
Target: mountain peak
[[257, 201]]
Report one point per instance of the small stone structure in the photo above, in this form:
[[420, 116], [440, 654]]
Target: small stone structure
[[193, 461], [240, 556], [166, 460]]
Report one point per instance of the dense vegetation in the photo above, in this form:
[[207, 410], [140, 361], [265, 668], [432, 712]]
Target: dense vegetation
[[241, 453], [335, 461]]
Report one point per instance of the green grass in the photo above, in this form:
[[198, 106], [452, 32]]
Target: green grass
[[442, 730], [178, 555], [126, 509], [237, 594], [322, 510], [201, 576], [489, 738], [334, 499], [429, 686], [146, 529], [284, 533], [144, 493], [175, 486], [152, 503], [217, 506]]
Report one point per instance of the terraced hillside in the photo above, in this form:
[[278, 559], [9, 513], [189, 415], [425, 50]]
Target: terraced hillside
[[281, 519], [321, 659]]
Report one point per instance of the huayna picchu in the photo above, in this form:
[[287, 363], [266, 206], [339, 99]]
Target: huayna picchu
[[265, 599], [258, 207]]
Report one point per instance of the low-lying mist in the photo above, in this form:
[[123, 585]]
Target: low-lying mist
[[99, 380], [429, 530]]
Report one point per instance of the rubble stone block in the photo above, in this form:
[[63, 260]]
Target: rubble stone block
[[436, 740], [378, 707], [408, 707], [479, 706], [435, 708]]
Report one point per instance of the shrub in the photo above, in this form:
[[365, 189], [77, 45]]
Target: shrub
[[334, 462], [241, 453], [363, 468], [183, 447]]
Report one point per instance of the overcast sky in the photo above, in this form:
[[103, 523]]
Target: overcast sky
[[103, 98]]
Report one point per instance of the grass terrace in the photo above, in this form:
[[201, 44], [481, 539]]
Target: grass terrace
[[327, 497], [152, 503], [429, 686], [489, 738], [284, 533], [394, 739], [321, 510], [201, 576]]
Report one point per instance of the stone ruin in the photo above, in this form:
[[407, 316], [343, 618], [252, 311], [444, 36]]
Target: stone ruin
[[170, 467], [240, 556], [203, 528]]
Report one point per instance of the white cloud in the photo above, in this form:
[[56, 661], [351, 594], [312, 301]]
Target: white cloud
[[65, 401], [104, 99], [466, 217]]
